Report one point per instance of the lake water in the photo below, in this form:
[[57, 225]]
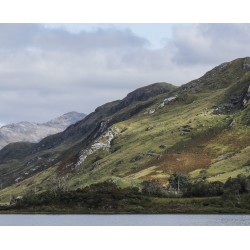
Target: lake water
[[125, 220]]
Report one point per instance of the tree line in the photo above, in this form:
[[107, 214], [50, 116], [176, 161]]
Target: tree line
[[235, 192]]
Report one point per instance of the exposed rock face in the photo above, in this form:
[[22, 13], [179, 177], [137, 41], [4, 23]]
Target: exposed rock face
[[167, 101], [162, 104], [151, 111], [236, 100], [103, 142], [223, 109], [184, 130], [34, 132], [247, 97], [137, 157]]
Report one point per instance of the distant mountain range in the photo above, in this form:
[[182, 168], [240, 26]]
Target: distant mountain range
[[34, 132]]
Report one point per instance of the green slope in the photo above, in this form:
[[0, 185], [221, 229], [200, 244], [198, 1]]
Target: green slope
[[203, 125]]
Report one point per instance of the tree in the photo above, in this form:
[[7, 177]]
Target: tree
[[204, 189], [179, 181], [152, 188], [234, 187], [241, 184]]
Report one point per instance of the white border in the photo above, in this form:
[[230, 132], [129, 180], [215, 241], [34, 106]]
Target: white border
[[124, 238], [129, 11]]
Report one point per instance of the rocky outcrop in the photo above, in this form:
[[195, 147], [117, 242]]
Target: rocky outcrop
[[141, 155], [247, 97], [236, 100], [162, 104], [103, 142], [167, 101], [223, 109], [184, 130]]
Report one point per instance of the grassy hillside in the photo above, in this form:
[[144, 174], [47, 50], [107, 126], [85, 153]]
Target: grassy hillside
[[200, 128]]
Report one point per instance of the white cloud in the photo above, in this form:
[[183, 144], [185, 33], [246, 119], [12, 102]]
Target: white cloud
[[46, 72], [211, 43]]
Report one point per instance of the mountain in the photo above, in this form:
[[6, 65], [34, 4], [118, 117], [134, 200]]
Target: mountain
[[34, 132], [62, 122], [201, 128]]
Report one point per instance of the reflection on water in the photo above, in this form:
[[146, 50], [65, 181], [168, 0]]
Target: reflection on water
[[125, 220]]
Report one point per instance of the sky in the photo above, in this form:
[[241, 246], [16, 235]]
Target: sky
[[47, 70]]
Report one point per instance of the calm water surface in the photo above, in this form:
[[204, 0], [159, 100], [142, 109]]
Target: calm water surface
[[125, 220]]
